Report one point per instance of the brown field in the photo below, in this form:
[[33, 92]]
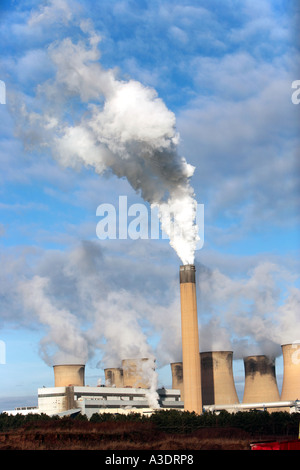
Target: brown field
[[76, 435]]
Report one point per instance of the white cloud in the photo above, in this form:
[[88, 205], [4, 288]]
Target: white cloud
[[54, 11], [242, 136], [34, 63]]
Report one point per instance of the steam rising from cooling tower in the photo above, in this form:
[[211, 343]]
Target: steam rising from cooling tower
[[113, 377], [123, 128], [63, 327], [135, 372]]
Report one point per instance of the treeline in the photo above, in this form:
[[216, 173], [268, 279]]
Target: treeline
[[10, 422], [253, 422], [174, 421]]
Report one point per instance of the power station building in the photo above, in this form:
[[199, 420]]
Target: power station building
[[70, 394], [90, 400], [202, 382], [127, 389]]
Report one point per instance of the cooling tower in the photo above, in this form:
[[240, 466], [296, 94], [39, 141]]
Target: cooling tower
[[218, 387], [190, 340], [260, 380], [291, 372], [177, 377], [68, 374], [134, 373], [113, 377]]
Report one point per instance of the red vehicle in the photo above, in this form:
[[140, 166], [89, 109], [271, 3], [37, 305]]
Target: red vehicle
[[277, 445]]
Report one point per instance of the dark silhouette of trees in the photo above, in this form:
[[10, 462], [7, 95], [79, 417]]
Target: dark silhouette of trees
[[174, 421]]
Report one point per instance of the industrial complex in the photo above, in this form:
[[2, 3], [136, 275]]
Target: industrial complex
[[202, 382]]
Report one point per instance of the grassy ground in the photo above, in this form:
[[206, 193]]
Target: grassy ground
[[165, 430], [118, 436]]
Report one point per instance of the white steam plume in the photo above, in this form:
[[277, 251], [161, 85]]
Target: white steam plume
[[250, 315], [63, 328], [88, 316], [149, 374], [123, 127]]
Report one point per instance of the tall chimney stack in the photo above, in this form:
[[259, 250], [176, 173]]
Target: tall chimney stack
[[190, 340]]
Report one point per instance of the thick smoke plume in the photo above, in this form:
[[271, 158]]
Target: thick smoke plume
[[122, 127]]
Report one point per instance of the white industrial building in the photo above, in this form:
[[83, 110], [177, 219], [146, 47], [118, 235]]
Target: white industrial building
[[127, 390], [89, 400], [70, 394]]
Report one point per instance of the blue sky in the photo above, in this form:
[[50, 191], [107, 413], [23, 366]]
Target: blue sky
[[223, 72]]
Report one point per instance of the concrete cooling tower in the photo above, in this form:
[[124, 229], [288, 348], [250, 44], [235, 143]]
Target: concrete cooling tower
[[134, 373], [218, 387], [291, 372], [113, 377], [68, 374], [260, 380], [190, 340], [177, 377]]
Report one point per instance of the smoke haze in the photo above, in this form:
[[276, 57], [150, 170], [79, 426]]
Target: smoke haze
[[252, 314], [111, 321]]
